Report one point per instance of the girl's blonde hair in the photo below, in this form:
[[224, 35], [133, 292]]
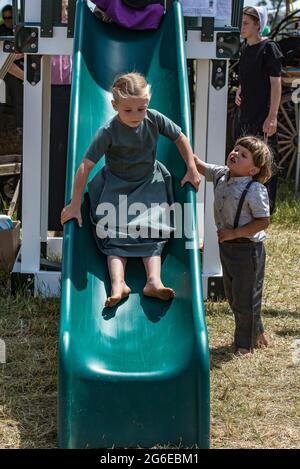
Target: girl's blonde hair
[[261, 154], [131, 85]]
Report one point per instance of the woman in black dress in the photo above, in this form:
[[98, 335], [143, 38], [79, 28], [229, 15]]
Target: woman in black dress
[[259, 93]]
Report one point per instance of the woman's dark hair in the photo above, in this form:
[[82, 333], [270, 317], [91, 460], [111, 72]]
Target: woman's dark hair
[[6, 8]]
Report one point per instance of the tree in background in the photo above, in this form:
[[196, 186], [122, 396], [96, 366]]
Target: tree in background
[[277, 9]]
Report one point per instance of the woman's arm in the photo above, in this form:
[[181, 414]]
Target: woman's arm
[[238, 99], [16, 71], [270, 124], [73, 209], [187, 154], [256, 225]]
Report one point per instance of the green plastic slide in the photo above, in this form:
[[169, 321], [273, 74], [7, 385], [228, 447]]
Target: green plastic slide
[[137, 374]]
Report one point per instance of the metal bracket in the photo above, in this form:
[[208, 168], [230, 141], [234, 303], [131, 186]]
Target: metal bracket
[[18, 7], [185, 24], [23, 282], [9, 46], [228, 45], [57, 12], [71, 17], [215, 288], [33, 75], [218, 78], [47, 18], [236, 13], [43, 249], [207, 30], [27, 40], [50, 266]]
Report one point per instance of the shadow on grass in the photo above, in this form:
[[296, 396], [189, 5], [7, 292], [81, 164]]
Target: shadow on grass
[[275, 313], [289, 333], [220, 355]]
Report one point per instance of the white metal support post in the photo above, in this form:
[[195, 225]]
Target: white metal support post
[[210, 116], [36, 140], [32, 170], [215, 154], [45, 146], [209, 144], [200, 131]]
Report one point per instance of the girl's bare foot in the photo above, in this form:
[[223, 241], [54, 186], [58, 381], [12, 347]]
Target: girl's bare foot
[[262, 341], [119, 291], [243, 352], [158, 290]]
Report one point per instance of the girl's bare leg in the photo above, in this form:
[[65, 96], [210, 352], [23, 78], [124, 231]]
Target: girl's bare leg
[[154, 286], [119, 289]]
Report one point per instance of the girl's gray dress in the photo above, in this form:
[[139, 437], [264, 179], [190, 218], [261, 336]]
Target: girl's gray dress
[[130, 196]]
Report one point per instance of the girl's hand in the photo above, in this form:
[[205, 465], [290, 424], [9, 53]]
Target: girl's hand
[[270, 126], [70, 212], [238, 99], [226, 235], [193, 177]]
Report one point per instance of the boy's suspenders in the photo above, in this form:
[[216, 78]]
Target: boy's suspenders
[[241, 202], [240, 206]]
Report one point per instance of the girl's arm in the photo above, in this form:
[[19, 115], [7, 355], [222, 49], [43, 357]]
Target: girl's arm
[[187, 154], [200, 165], [73, 209], [256, 225], [270, 124]]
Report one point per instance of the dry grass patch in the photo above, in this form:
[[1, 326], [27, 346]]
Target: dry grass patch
[[28, 380], [255, 401]]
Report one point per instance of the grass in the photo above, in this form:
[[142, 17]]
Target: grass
[[288, 207], [255, 401], [4, 206], [28, 381]]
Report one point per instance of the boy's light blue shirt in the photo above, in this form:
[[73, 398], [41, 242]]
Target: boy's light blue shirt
[[228, 191]]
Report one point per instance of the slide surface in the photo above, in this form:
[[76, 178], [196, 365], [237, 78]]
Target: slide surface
[[137, 374]]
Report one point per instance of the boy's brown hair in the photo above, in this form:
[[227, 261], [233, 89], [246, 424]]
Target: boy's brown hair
[[261, 154]]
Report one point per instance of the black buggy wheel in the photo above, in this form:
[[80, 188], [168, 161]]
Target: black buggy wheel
[[288, 133]]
